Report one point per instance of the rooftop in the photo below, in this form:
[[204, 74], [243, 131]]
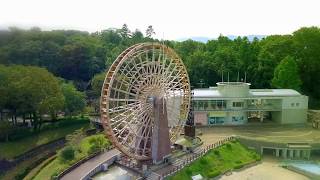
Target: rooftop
[[214, 93]]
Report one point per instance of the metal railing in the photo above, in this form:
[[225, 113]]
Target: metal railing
[[195, 157]]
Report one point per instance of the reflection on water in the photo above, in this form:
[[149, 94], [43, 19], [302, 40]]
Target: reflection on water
[[307, 166], [114, 173]]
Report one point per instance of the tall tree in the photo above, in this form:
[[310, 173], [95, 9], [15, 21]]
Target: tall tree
[[286, 75], [125, 32], [74, 100], [30, 90], [307, 44], [150, 31]]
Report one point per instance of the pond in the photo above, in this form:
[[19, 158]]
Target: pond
[[311, 167], [114, 173]]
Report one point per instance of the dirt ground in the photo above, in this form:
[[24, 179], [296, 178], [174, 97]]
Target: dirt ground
[[267, 170], [285, 134]]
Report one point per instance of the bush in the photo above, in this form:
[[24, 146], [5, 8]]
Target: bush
[[67, 153], [238, 162], [229, 146], [216, 152], [257, 158], [97, 143], [203, 161], [188, 172], [238, 166], [214, 173]]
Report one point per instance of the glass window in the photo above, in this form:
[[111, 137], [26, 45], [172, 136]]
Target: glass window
[[221, 104], [205, 104], [297, 104], [237, 118], [237, 104], [215, 120]]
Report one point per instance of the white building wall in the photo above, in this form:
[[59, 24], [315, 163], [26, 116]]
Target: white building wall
[[294, 110]]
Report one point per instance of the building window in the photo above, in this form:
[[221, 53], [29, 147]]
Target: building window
[[221, 104], [215, 120], [237, 104], [292, 104], [297, 104], [237, 119]]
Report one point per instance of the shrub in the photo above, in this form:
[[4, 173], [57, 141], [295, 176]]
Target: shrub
[[234, 140], [97, 143], [203, 161], [216, 152], [238, 162], [238, 166], [229, 146], [214, 173], [67, 153], [188, 172], [257, 158]]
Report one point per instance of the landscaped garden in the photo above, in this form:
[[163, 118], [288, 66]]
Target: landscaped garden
[[78, 148], [229, 156], [28, 139]]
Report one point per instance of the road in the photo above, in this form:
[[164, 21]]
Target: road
[[86, 167]]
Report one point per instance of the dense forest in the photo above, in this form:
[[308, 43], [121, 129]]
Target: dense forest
[[72, 64]]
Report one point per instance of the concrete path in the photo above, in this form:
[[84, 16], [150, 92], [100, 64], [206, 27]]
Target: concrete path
[[86, 167]]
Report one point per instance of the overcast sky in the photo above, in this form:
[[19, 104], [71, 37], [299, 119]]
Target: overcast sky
[[171, 19]]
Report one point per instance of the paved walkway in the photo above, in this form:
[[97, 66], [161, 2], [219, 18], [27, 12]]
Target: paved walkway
[[86, 167]]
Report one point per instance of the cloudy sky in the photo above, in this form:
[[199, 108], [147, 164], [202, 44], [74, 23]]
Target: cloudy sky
[[171, 19]]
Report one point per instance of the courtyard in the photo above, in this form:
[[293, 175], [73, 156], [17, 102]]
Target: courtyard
[[260, 132]]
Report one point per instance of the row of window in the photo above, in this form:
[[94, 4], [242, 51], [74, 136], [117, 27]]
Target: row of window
[[209, 105], [220, 120], [295, 104], [214, 104], [237, 104]]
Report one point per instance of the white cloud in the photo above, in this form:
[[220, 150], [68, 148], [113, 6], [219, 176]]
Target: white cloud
[[171, 19]]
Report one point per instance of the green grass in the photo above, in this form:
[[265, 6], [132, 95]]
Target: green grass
[[12, 149], [217, 161], [38, 168], [22, 168], [51, 169], [57, 166]]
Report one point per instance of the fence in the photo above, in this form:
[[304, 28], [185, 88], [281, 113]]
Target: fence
[[195, 157]]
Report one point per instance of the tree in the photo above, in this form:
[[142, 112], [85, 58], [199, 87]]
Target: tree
[[75, 100], [307, 44], [30, 90], [125, 32], [75, 138], [97, 82], [286, 75], [150, 32], [67, 154], [5, 129], [137, 35], [97, 143]]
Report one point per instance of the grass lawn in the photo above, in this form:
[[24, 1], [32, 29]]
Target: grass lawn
[[232, 155], [37, 169], [21, 168], [12, 149], [57, 166]]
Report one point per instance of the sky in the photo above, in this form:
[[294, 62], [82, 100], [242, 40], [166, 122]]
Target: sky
[[171, 19]]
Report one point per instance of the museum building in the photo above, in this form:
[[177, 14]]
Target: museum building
[[234, 103]]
